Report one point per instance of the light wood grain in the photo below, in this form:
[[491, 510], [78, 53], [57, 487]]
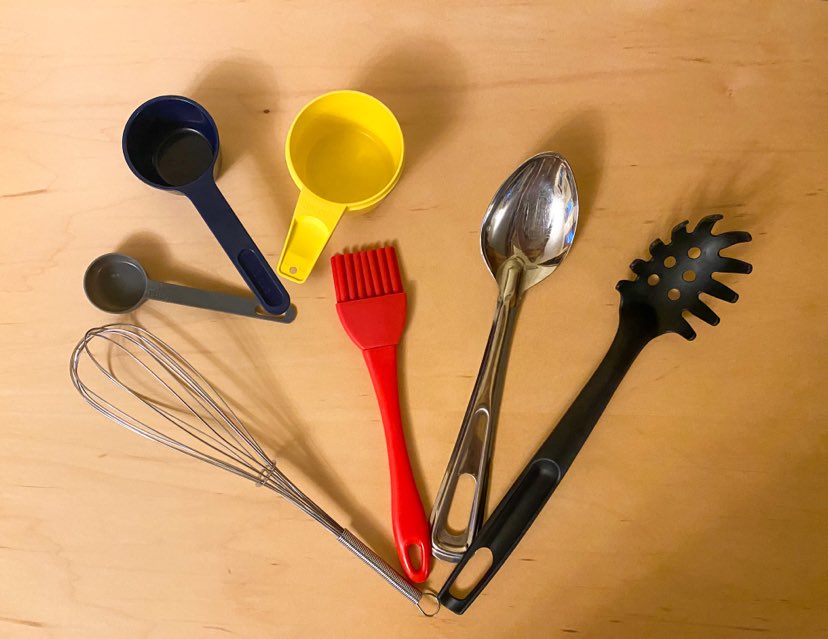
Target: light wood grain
[[698, 508]]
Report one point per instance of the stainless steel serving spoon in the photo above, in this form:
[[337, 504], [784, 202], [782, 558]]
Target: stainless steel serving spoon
[[526, 233]]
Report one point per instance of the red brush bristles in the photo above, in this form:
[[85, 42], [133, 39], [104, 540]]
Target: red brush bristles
[[366, 274]]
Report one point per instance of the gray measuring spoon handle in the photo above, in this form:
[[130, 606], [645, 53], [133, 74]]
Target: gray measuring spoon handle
[[212, 301], [472, 450]]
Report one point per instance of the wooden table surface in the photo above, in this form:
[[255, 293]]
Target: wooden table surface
[[698, 507]]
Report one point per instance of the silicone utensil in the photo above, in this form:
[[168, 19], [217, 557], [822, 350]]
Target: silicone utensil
[[371, 306], [526, 233], [345, 152], [172, 144], [117, 283], [666, 285]]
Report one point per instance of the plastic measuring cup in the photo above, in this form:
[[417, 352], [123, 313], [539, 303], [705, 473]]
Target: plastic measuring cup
[[345, 152], [172, 143], [117, 283]]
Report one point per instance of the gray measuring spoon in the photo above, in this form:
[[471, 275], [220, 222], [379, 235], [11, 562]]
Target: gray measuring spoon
[[117, 283], [526, 233]]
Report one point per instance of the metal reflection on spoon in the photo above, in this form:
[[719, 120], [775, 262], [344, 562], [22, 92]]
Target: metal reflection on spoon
[[526, 233]]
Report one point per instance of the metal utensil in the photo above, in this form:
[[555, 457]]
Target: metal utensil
[[117, 283], [666, 286], [193, 418], [526, 233]]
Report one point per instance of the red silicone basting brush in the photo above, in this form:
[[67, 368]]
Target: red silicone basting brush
[[370, 302]]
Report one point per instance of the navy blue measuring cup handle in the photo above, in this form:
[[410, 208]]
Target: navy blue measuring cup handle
[[237, 243]]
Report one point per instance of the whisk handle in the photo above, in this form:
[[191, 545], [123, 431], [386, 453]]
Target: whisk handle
[[391, 576]]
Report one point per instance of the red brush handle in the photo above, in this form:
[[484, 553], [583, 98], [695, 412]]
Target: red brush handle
[[407, 514]]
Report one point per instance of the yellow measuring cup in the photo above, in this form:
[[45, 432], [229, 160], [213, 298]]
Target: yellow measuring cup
[[345, 153]]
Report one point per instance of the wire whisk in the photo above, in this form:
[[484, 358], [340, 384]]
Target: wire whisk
[[191, 417]]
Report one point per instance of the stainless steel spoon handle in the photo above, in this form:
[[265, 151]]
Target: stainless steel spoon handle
[[472, 450], [212, 301]]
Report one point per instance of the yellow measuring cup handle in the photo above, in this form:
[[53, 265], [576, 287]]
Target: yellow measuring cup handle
[[314, 220]]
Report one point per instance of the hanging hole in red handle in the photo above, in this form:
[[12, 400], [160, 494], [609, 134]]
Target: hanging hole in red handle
[[417, 562], [472, 573], [415, 557]]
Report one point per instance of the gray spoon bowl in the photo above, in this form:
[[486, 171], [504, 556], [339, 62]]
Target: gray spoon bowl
[[117, 283], [526, 233]]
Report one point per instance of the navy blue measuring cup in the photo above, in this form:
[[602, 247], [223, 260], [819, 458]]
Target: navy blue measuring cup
[[172, 143]]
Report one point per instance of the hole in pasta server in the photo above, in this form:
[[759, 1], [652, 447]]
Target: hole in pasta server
[[694, 253], [461, 504], [653, 279], [669, 261], [689, 276], [673, 294], [472, 573]]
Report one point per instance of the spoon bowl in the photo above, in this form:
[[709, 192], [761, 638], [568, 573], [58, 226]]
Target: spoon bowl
[[532, 218], [526, 233]]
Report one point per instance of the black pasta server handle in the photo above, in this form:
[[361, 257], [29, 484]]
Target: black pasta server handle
[[666, 285]]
